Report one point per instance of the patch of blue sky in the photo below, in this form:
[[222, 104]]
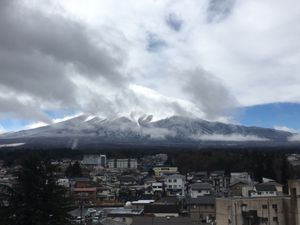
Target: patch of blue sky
[[271, 115]]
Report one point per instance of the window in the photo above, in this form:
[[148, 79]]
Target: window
[[264, 206], [174, 180], [275, 219]]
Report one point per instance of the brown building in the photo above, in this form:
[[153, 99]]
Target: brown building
[[267, 210]]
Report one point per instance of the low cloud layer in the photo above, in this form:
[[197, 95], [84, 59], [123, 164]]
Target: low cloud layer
[[112, 58], [232, 137], [294, 138]]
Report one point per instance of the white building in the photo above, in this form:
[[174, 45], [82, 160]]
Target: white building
[[200, 189], [94, 160], [122, 163], [175, 185], [152, 188], [264, 190]]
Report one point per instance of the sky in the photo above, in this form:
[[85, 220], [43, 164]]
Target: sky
[[234, 61]]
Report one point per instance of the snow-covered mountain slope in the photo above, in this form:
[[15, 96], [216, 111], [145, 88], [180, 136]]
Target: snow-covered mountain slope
[[176, 129]]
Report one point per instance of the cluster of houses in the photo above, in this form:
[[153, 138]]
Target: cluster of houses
[[146, 191]]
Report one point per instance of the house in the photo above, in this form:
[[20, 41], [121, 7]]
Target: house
[[202, 209], [154, 188], [127, 180], [85, 194], [200, 189], [105, 194], [198, 177], [238, 188], [175, 185], [124, 215], [240, 176], [264, 190], [161, 209], [140, 204], [162, 221]]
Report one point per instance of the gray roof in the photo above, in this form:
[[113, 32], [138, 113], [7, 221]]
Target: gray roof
[[201, 186], [265, 187], [107, 221], [203, 200], [161, 221]]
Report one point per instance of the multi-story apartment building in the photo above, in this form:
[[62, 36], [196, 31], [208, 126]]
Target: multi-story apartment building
[[175, 185], [94, 160], [122, 163]]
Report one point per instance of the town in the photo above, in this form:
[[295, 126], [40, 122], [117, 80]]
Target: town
[[146, 190]]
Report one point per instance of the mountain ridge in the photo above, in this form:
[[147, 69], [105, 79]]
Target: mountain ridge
[[171, 130]]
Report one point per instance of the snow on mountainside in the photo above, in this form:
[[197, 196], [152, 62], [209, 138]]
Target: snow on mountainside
[[173, 129]]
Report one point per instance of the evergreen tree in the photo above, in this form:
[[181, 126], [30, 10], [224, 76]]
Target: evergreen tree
[[73, 170], [36, 199], [76, 170]]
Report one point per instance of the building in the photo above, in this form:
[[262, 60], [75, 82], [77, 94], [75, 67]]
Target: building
[[86, 195], [154, 188], [202, 209], [94, 160], [175, 185], [162, 221], [241, 176], [264, 190], [200, 189], [161, 171], [122, 164], [238, 188], [220, 182], [271, 210]]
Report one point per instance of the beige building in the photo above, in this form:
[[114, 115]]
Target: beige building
[[270, 210], [160, 171]]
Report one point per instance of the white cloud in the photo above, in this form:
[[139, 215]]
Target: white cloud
[[11, 145], [231, 137], [294, 138], [285, 128], [141, 56], [35, 125], [2, 130]]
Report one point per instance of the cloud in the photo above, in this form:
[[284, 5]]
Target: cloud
[[218, 10], [285, 128], [208, 92], [201, 58], [155, 43], [294, 138], [2, 130], [232, 137], [11, 145], [174, 22], [14, 107], [40, 54]]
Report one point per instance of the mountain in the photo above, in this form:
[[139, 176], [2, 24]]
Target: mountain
[[86, 131]]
